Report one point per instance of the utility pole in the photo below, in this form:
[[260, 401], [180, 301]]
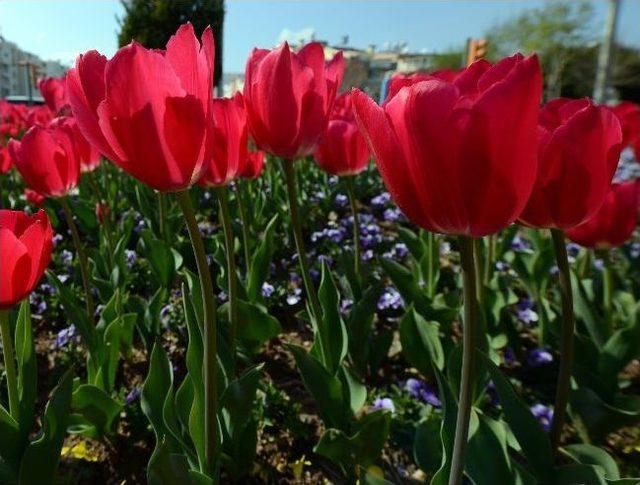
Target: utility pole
[[604, 57]]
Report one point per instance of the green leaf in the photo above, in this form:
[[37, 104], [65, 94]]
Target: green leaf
[[41, 458], [76, 313], [487, 459], [421, 343], [530, 435], [325, 388], [619, 350], [592, 455], [261, 260], [238, 398], [416, 246], [594, 324], [255, 325], [356, 391], [362, 448], [330, 332], [161, 258], [27, 370], [94, 411], [11, 442], [359, 326], [447, 432], [167, 468], [427, 449], [578, 474]]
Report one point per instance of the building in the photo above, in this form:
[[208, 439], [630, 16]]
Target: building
[[20, 70]]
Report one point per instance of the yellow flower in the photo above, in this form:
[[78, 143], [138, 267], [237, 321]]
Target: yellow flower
[[80, 451], [298, 467]]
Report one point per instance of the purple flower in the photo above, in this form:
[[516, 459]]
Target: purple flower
[[508, 356], [66, 257], [294, 297], [526, 312], [492, 393], [502, 266], [544, 415], [133, 395], [315, 275], [341, 200], [390, 299], [379, 201], [165, 312], [391, 214], [267, 290], [572, 251], [57, 239], [367, 255], [422, 390], [634, 251], [554, 270], [47, 289], [384, 403], [539, 357], [65, 335], [345, 305], [598, 264], [130, 257], [518, 243], [400, 250]]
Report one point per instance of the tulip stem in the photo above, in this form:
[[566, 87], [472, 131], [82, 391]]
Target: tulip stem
[[245, 224], [479, 269], [607, 288], [225, 216], [356, 224], [209, 335], [467, 377], [292, 194], [432, 257], [9, 364], [488, 266], [563, 388], [82, 256], [161, 215]]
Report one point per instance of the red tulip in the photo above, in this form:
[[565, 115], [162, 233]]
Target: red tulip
[[614, 222], [629, 115], [342, 149], [5, 160], [54, 92], [146, 109], [289, 97], [38, 116], [399, 81], [25, 252], [578, 152], [47, 158], [459, 157], [33, 197], [227, 143], [255, 163], [102, 211], [88, 154]]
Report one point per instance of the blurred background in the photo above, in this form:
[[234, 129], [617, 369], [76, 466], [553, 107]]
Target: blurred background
[[588, 48]]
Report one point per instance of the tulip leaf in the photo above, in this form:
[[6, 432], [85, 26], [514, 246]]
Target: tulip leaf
[[255, 325], [41, 457], [592, 455], [261, 261], [161, 258], [530, 435], [330, 337], [325, 388], [94, 411], [420, 343], [27, 369]]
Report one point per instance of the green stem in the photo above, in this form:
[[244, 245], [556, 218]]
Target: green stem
[[563, 388], [106, 218], [432, 257], [607, 288], [9, 364], [488, 266], [161, 215], [210, 339], [479, 269], [292, 194], [467, 377], [245, 225], [356, 224], [225, 216], [82, 256]]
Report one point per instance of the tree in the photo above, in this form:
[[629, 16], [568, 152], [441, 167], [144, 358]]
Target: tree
[[555, 31], [152, 22]]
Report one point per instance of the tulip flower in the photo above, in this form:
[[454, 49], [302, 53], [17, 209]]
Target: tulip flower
[[578, 152], [227, 143], [26, 243], [38, 116], [289, 97], [5, 160], [579, 147], [146, 110], [342, 149], [33, 197], [254, 164], [54, 92], [47, 158], [613, 224], [459, 157], [399, 81], [25, 252], [629, 115]]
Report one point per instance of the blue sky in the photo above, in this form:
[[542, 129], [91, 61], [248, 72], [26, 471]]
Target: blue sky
[[63, 28]]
